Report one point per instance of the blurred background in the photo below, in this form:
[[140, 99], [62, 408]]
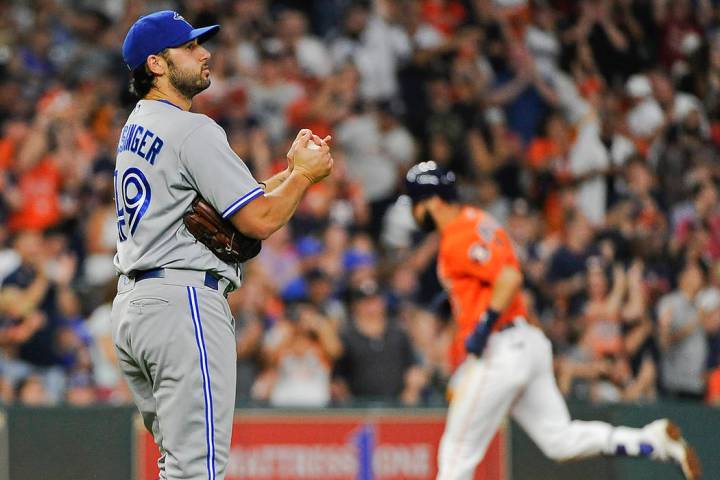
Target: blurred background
[[590, 129]]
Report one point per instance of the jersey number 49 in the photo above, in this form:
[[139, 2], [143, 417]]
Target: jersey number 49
[[132, 199]]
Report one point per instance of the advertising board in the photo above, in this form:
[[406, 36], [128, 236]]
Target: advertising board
[[333, 445]]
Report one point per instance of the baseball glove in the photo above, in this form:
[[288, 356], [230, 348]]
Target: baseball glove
[[219, 235]]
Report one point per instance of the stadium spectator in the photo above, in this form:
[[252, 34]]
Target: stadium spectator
[[299, 351], [601, 312], [310, 52], [430, 331], [249, 307], [378, 361], [709, 311], [639, 343], [46, 301], [682, 338], [566, 272], [101, 230], [106, 376], [372, 42], [521, 89], [272, 92], [700, 222], [81, 391], [30, 392], [320, 293]]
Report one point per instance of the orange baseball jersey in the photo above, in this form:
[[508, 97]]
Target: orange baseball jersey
[[473, 250]]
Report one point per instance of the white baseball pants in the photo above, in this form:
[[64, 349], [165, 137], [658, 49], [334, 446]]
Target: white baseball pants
[[515, 374]]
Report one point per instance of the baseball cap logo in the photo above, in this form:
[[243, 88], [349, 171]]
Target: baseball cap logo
[[177, 16]]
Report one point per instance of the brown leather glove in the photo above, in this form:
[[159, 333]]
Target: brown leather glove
[[219, 235]]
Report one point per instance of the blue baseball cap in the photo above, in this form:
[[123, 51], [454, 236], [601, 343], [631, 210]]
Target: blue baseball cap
[[154, 33]]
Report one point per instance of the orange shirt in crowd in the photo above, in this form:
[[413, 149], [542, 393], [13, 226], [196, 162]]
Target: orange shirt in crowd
[[443, 15], [713, 387], [541, 153], [40, 191], [473, 251]]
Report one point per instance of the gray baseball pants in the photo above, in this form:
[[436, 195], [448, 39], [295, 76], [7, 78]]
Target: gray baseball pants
[[175, 341]]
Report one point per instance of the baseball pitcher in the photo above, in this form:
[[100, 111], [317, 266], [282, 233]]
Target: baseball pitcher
[[189, 212]]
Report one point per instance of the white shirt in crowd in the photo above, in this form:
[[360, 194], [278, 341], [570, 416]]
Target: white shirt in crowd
[[377, 55]]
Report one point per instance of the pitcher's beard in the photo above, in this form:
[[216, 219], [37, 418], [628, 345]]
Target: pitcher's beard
[[187, 83]]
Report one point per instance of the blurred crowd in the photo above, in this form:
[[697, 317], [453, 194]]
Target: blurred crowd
[[589, 128]]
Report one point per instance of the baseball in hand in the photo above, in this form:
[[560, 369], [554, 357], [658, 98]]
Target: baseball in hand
[[312, 145]]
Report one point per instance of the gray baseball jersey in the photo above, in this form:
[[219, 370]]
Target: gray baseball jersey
[[173, 331], [166, 155]]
